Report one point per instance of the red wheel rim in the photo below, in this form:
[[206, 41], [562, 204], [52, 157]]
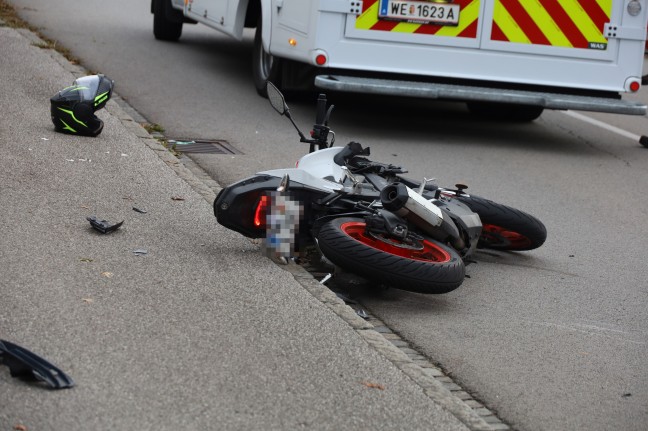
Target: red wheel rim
[[499, 236], [429, 251]]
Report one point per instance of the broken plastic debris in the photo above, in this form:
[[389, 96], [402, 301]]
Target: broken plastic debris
[[325, 279], [140, 252], [177, 198], [45, 139], [139, 210], [345, 298], [102, 225], [643, 140], [28, 365], [362, 313]]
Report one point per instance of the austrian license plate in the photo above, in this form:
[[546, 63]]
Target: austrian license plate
[[419, 12]]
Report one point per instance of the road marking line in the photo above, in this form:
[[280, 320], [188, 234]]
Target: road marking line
[[603, 125]]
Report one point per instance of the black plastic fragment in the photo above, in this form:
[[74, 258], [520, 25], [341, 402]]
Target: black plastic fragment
[[139, 210], [102, 225], [643, 140], [345, 298], [29, 366], [360, 312]]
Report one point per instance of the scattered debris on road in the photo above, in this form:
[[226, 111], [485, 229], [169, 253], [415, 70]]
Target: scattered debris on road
[[103, 226], [29, 366]]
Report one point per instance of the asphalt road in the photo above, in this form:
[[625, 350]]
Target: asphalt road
[[551, 339]]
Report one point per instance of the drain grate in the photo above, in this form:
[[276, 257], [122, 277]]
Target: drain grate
[[207, 146]]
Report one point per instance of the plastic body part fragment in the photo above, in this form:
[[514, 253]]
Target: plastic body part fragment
[[102, 225], [27, 365]]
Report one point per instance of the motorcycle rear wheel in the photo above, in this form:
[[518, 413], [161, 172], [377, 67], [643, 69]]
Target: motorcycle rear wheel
[[426, 266], [504, 227]]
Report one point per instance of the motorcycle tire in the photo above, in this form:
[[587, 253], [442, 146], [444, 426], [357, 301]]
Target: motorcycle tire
[[432, 268], [504, 227]]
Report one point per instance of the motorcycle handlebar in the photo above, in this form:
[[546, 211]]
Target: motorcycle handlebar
[[321, 110]]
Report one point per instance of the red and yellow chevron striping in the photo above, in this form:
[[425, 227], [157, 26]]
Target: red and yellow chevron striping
[[467, 27], [564, 23]]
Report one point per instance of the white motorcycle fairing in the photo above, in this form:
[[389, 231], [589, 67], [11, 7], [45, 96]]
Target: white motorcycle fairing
[[305, 178], [320, 163]]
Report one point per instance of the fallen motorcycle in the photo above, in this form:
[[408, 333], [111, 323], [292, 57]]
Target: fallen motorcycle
[[366, 217]]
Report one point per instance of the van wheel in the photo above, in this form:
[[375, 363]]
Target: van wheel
[[505, 111], [167, 21], [265, 66]]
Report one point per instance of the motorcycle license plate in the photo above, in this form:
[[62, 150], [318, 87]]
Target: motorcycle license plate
[[282, 225], [419, 12]]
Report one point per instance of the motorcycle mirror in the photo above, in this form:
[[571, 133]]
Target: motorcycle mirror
[[276, 98], [279, 104]]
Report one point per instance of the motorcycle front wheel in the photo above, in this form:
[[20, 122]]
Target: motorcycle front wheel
[[424, 266], [504, 227]]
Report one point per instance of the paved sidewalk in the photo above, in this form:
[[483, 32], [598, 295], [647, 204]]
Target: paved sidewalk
[[199, 333]]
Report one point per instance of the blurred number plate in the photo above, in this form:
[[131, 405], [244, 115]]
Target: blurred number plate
[[420, 12]]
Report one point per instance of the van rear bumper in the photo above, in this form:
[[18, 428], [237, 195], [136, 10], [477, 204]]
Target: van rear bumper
[[469, 93]]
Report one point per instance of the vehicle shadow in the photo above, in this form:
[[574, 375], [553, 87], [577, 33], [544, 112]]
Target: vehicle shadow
[[360, 294], [436, 121]]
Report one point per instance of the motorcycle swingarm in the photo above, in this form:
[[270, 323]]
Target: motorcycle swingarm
[[465, 219]]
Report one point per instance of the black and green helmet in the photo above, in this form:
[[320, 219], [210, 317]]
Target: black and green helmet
[[73, 107]]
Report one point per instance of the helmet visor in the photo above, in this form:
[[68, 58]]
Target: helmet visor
[[86, 87]]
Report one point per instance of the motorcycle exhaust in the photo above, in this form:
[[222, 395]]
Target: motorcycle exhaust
[[406, 203]]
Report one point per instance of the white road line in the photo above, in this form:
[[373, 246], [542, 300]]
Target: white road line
[[603, 125]]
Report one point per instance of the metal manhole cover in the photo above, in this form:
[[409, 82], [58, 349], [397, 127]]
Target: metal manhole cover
[[208, 146]]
